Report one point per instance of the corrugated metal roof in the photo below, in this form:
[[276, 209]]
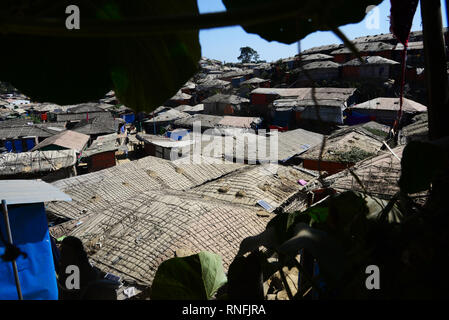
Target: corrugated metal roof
[[30, 191]]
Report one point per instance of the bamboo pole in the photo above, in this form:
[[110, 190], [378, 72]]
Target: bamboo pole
[[435, 69], [9, 234]]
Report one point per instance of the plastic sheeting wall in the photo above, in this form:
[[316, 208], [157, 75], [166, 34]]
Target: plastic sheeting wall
[[36, 271]]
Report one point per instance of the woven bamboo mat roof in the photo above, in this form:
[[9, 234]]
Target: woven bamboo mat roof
[[379, 175], [134, 236], [105, 188]]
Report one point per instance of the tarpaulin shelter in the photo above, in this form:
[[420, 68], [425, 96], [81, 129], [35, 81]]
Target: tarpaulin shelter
[[24, 224]]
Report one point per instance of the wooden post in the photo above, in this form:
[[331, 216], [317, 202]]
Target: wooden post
[[436, 69], [14, 264]]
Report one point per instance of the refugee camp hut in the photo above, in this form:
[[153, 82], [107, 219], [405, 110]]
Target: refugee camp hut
[[317, 71], [223, 104], [295, 142], [418, 129], [203, 121], [415, 53], [162, 120], [98, 126], [327, 49], [34, 271], [81, 112], [163, 147], [385, 110], [189, 88], [271, 185], [316, 57], [263, 70], [381, 49], [46, 165], [383, 37], [261, 98], [238, 75], [324, 105], [282, 114], [243, 123], [199, 108], [342, 150], [372, 67], [289, 63], [110, 99], [178, 99], [378, 176], [101, 153], [256, 83], [120, 111], [25, 137], [67, 139], [152, 226], [42, 111]]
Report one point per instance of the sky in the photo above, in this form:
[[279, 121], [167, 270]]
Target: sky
[[224, 43]]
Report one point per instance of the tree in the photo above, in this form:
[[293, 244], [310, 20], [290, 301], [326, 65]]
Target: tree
[[248, 54]]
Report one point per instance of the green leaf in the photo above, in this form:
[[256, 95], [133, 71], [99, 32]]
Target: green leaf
[[212, 272], [196, 277], [318, 214], [144, 71], [312, 15]]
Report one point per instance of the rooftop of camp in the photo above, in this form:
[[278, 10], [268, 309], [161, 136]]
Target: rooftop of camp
[[370, 60], [347, 147], [67, 139], [391, 104], [102, 144], [35, 162], [225, 98], [168, 115], [317, 65], [366, 47]]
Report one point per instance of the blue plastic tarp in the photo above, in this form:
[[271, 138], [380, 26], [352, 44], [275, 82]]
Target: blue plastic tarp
[[36, 271], [8, 146], [129, 118], [18, 146], [30, 142]]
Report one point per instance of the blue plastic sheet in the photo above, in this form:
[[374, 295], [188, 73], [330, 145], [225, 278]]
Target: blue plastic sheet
[[37, 271]]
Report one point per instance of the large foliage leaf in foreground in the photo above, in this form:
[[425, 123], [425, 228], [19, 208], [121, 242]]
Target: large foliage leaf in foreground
[[313, 15], [196, 277], [144, 71]]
